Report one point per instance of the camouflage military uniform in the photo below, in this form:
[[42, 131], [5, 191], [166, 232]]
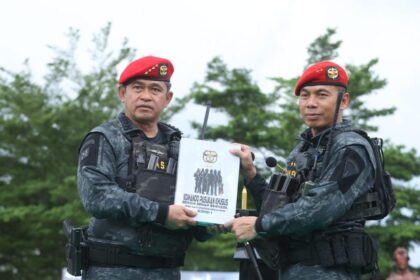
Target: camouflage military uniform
[[118, 215], [347, 175]]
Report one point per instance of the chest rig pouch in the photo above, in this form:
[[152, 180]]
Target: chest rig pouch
[[280, 191], [152, 175], [153, 171]]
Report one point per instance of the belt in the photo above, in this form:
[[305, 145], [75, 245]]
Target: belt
[[306, 256], [115, 256]]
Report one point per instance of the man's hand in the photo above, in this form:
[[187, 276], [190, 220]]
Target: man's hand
[[180, 217], [247, 166], [243, 228]]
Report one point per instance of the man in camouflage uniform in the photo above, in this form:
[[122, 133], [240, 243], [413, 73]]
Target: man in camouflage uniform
[[126, 181], [313, 226]]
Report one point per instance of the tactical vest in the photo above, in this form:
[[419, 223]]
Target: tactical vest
[[344, 243], [152, 174]]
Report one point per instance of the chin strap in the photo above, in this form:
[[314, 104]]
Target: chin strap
[[337, 111]]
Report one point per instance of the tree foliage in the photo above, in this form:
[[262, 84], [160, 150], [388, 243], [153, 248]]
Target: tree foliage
[[41, 127]]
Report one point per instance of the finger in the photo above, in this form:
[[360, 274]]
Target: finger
[[241, 149], [244, 148], [190, 212], [236, 152]]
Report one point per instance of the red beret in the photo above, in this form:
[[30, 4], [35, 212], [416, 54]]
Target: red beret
[[322, 73], [148, 67]]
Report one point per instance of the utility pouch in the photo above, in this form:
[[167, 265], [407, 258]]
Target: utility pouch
[[362, 251], [156, 185], [339, 249], [355, 250], [371, 252], [271, 250], [324, 251], [273, 200]]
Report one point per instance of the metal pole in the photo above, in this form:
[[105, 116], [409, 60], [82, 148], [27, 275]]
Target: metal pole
[[204, 127]]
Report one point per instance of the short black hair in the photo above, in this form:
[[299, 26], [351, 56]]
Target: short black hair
[[129, 81], [341, 89]]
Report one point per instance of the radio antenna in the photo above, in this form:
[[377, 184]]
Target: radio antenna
[[204, 127]]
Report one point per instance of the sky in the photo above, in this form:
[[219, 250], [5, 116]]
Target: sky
[[270, 37]]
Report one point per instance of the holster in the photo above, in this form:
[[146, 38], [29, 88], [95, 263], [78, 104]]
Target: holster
[[81, 252], [76, 250]]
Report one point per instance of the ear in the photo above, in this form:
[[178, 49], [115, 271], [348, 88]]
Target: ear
[[168, 97], [345, 101], [121, 93]]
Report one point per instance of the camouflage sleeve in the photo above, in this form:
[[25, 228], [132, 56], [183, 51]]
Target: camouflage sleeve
[[349, 174], [100, 194], [257, 186]]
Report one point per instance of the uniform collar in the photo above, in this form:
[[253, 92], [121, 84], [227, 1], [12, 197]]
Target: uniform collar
[[323, 136], [130, 129]]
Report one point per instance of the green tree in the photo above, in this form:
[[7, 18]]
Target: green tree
[[41, 128], [270, 122]]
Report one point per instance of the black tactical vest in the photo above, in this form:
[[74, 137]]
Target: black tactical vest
[[344, 243], [152, 174]]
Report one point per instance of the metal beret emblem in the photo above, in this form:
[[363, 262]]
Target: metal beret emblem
[[163, 70], [332, 73]]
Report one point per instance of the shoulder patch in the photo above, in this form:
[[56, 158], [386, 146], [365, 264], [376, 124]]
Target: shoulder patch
[[90, 150], [348, 170]]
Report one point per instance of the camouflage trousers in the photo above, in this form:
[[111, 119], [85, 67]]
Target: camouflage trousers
[[316, 272], [128, 273]]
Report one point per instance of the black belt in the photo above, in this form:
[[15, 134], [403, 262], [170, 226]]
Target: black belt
[[115, 256], [305, 256]]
